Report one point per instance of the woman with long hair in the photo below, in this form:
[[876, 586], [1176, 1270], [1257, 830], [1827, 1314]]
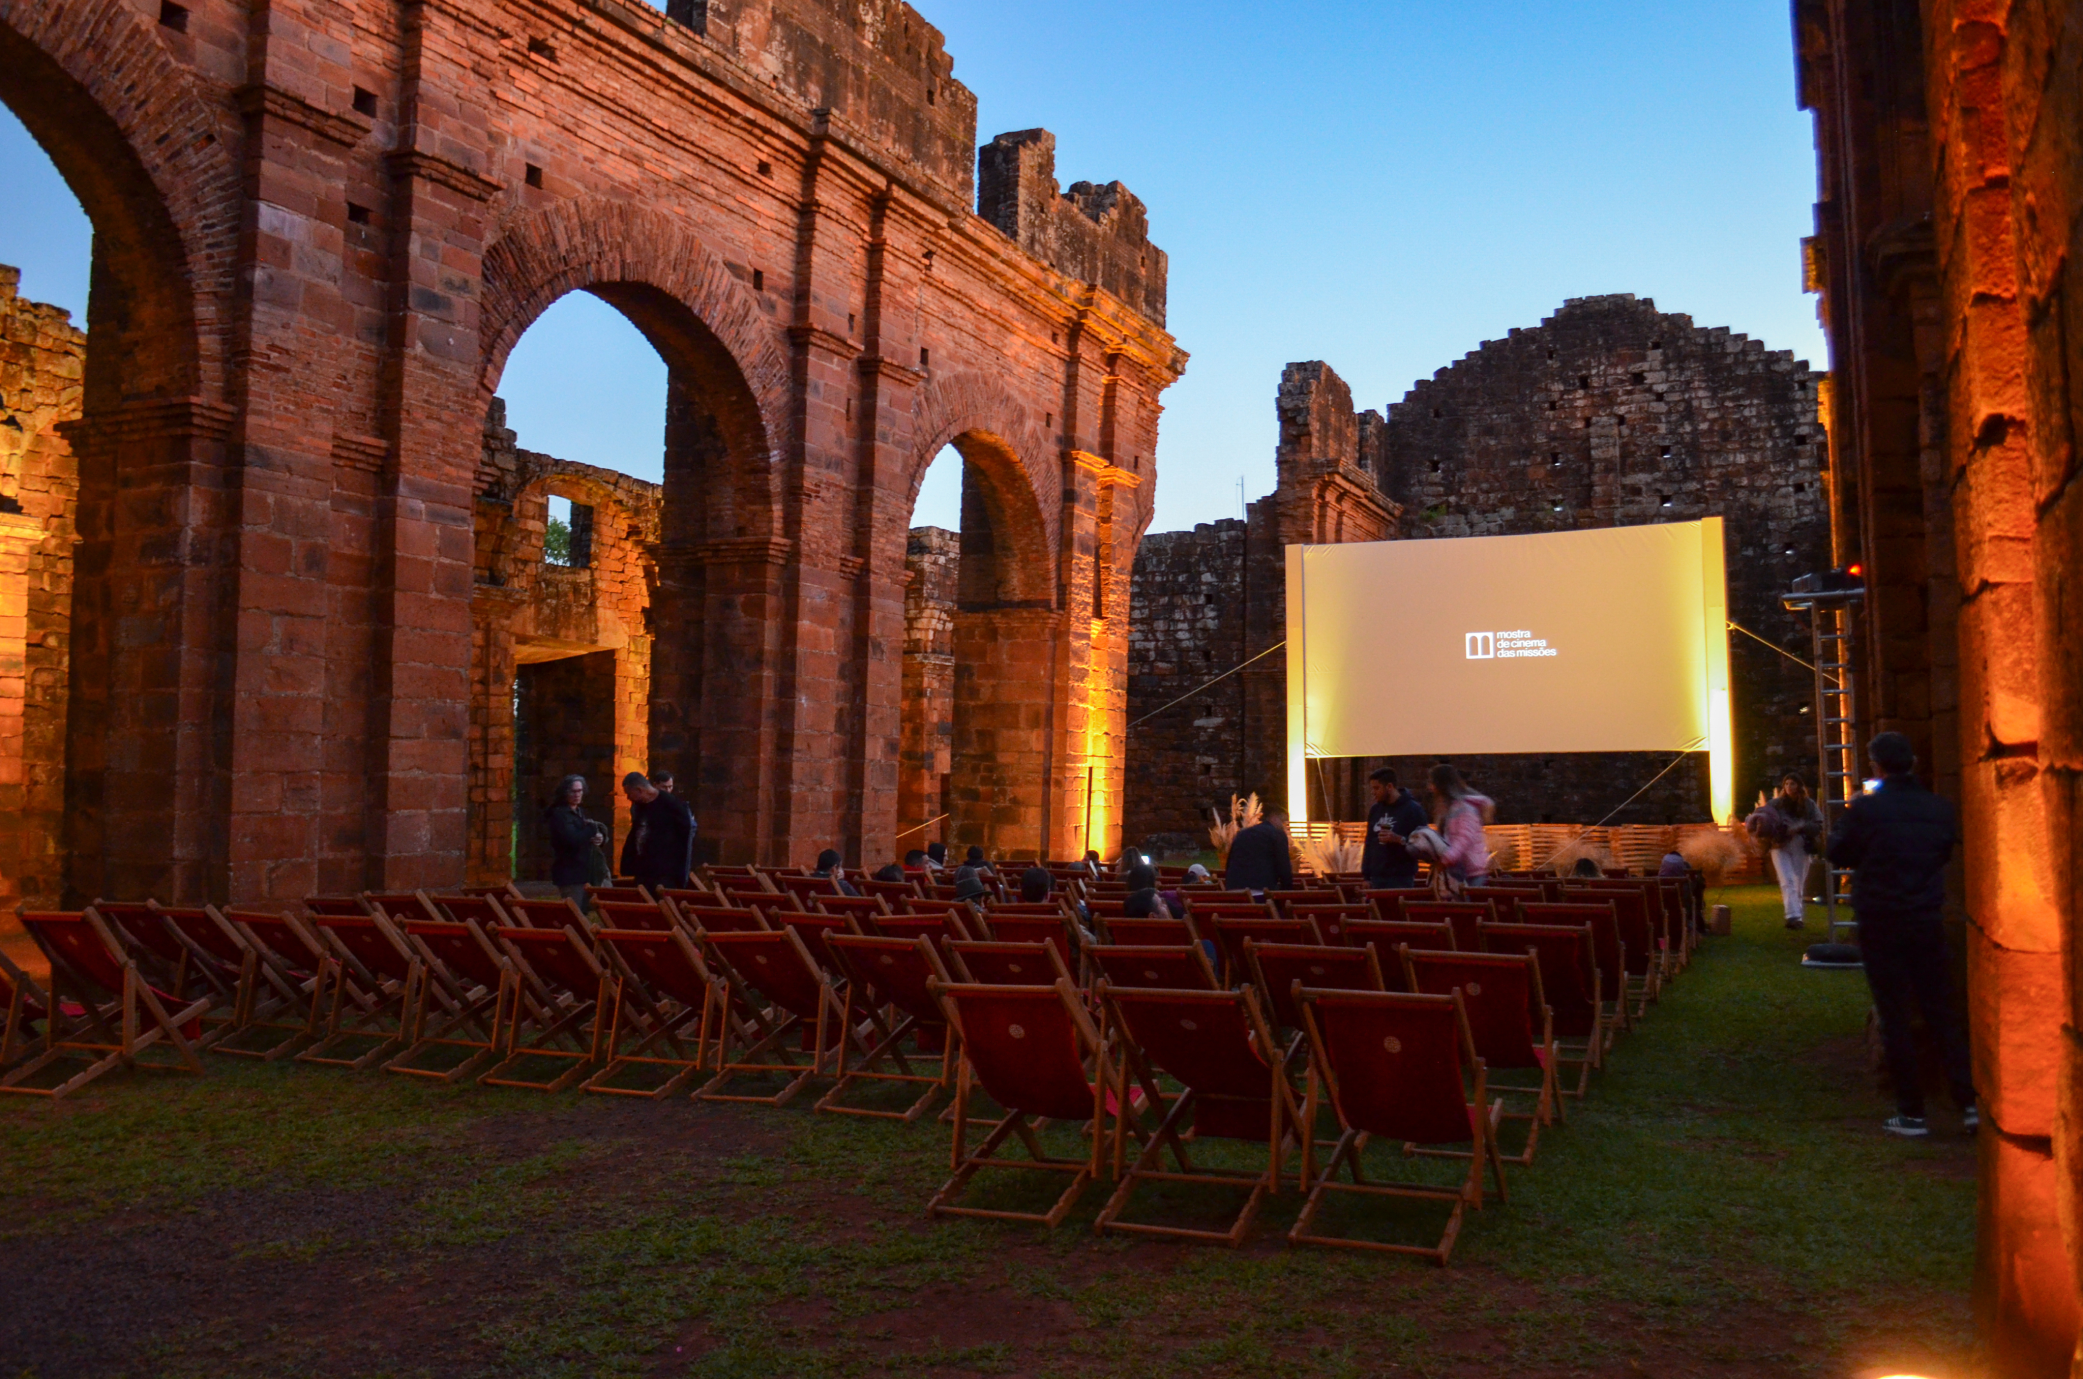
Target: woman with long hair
[[1459, 814]]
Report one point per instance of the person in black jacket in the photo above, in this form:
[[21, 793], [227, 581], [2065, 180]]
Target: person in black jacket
[[1898, 841], [1393, 817], [659, 851], [573, 840], [1261, 858]]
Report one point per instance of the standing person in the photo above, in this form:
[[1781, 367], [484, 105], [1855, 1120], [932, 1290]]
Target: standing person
[[1792, 826], [575, 841], [1461, 814], [659, 851], [1395, 815], [1897, 841], [1261, 857]]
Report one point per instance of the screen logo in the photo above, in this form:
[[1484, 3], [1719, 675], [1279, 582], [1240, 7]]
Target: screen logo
[[1516, 645], [1482, 646]]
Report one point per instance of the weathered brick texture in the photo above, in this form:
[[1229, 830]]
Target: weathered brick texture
[[932, 562], [319, 230]]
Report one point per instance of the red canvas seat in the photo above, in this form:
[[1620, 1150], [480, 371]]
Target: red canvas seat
[[487, 912], [1146, 933], [546, 914], [1465, 917], [894, 973], [945, 925], [1182, 966], [811, 928], [1035, 1051], [1277, 968], [1509, 1021], [1049, 929], [472, 978], [1007, 964], [661, 985], [374, 995], [777, 967], [1385, 934], [1388, 903], [1284, 902], [1218, 1047], [1608, 952], [625, 895], [889, 891], [1570, 987], [1640, 937], [859, 908], [336, 906], [629, 914], [284, 980], [552, 1007], [100, 1010], [1231, 932], [1399, 1067], [1507, 899], [1331, 918], [802, 888], [401, 907], [1202, 913], [709, 919]]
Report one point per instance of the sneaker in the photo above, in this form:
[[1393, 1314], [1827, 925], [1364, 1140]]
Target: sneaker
[[1796, 922], [1971, 1119], [1909, 1127]]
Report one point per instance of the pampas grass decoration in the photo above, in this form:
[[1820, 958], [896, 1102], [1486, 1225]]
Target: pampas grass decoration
[[1330, 855], [1715, 854], [1244, 813], [1565, 859]]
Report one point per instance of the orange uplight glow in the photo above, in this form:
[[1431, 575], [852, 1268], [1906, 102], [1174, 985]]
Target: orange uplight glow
[[1859, 572]]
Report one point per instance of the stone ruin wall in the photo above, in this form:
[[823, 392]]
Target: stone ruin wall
[[42, 357], [1608, 413], [932, 564]]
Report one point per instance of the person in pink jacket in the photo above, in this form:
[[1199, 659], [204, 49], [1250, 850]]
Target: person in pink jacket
[[1461, 814]]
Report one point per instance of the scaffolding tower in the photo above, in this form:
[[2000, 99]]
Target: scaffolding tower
[[1830, 600]]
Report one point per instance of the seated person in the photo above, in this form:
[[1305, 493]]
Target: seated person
[[828, 866]]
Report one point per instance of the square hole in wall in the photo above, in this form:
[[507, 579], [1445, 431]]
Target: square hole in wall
[[1555, 459], [567, 538], [766, 169], [1667, 500], [364, 101], [1639, 377], [540, 47], [174, 17], [759, 280], [1583, 380], [925, 357], [532, 175], [1666, 452], [357, 215]]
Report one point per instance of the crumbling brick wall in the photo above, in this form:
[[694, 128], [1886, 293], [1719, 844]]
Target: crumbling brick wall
[[932, 563], [42, 357]]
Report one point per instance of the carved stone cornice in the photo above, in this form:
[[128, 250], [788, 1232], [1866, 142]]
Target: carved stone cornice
[[876, 366], [823, 339], [852, 566], [278, 104], [370, 454], [744, 550], [150, 420], [429, 167], [1089, 462], [1114, 476]]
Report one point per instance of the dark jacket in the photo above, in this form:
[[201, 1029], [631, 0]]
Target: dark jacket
[[1803, 821], [1390, 864], [571, 845], [1259, 860], [1897, 841], [659, 850]]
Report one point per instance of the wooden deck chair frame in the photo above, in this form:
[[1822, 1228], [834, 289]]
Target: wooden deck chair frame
[[1540, 1027], [1124, 1011], [1164, 967], [107, 1033], [639, 1004], [376, 1003], [1046, 957], [470, 978], [1484, 1116], [1589, 1052], [767, 1053], [192, 972], [26, 1003], [562, 1019], [1608, 952], [283, 980], [1636, 915], [1089, 1050], [402, 907], [904, 967]]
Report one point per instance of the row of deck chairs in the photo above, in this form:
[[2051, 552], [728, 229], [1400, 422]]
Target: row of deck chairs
[[1239, 1021]]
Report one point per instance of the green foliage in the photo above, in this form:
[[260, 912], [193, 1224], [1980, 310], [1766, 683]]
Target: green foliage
[[556, 542], [1722, 1198]]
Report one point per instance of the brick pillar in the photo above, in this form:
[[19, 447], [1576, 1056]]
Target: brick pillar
[[20, 536], [492, 668], [1007, 666], [928, 687]]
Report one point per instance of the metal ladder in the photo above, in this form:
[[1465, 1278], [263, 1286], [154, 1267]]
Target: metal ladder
[[1836, 724]]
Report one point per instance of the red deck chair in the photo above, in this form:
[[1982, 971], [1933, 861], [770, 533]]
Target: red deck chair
[[1397, 1067], [626, 895], [1007, 964], [101, 1009], [1213, 895], [1047, 929], [1276, 968], [1031, 1048], [401, 907], [162, 957], [22, 1004], [1388, 903], [777, 967], [1331, 918], [286, 998], [696, 894], [1202, 914], [859, 908], [561, 1022], [1570, 986], [1165, 967], [661, 986], [374, 994], [736, 876], [1507, 899], [890, 891], [473, 976], [891, 972], [1465, 916], [1231, 931], [1148, 933], [1041, 908], [1607, 951], [337, 906], [1105, 907], [546, 914], [623, 914], [1385, 934], [1508, 1017], [718, 919], [745, 898], [811, 928], [1640, 935], [802, 890], [487, 912], [945, 925], [1218, 1047], [1284, 901]]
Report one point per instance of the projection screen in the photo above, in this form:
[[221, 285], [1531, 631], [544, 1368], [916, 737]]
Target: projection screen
[[1613, 640]]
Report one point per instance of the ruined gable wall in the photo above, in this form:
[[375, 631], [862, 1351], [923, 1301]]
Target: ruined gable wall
[[1612, 413], [42, 356]]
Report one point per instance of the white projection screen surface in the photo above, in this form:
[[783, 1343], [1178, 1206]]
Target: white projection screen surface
[[1612, 640]]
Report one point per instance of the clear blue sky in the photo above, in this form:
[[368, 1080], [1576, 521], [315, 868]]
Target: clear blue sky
[[1381, 185]]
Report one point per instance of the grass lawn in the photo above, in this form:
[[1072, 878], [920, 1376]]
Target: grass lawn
[[1723, 1203]]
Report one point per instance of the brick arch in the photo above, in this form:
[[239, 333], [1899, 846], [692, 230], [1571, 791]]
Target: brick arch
[[1000, 436], [645, 263], [149, 160]]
